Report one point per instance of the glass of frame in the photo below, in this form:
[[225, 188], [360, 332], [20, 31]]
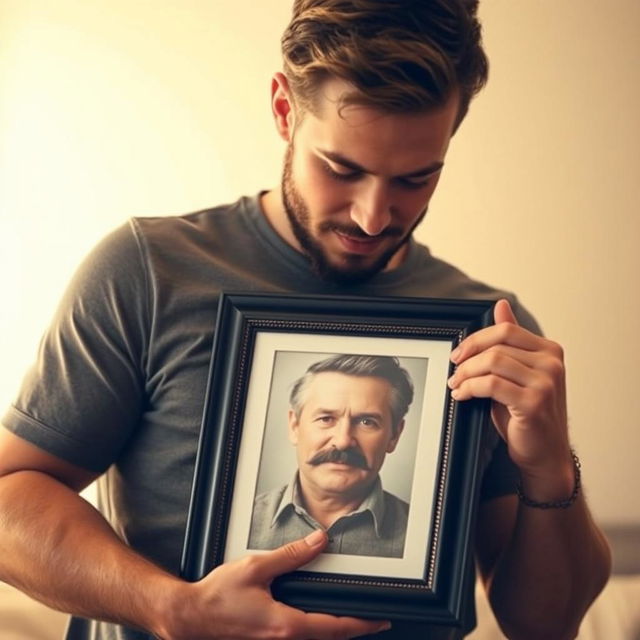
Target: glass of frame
[[414, 569]]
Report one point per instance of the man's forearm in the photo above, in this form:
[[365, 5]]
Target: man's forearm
[[58, 549], [542, 566], [554, 566]]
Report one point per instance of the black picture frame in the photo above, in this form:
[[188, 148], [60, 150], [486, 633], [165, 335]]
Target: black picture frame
[[432, 591]]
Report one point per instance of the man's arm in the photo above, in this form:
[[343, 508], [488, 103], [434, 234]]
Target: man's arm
[[542, 568], [58, 549]]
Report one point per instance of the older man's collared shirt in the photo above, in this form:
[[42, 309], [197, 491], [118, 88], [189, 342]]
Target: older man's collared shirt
[[376, 528]]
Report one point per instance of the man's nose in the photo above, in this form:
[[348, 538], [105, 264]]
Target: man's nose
[[342, 436], [371, 210]]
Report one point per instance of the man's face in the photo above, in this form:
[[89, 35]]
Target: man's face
[[356, 183], [348, 414]]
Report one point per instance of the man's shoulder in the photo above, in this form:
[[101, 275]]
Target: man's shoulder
[[442, 279], [395, 505], [194, 222], [142, 239], [451, 279], [268, 502], [396, 510], [391, 521], [263, 525], [203, 246], [267, 496]]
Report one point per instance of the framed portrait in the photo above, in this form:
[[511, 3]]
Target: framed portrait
[[334, 413]]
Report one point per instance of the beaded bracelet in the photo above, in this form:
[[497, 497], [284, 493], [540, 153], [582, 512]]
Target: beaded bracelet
[[557, 504]]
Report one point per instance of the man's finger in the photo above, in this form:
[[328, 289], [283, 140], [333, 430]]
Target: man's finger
[[290, 556], [326, 627], [505, 331], [502, 312]]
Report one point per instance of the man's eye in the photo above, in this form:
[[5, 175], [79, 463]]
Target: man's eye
[[324, 419], [368, 422], [414, 183], [337, 175]]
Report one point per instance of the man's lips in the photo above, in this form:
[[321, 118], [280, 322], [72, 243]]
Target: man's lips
[[363, 246]]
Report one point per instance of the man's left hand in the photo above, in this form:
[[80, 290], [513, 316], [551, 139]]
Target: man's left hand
[[524, 375]]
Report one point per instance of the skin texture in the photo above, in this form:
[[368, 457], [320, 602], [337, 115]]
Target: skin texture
[[342, 412], [555, 562]]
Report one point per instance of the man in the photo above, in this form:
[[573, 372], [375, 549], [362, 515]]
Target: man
[[371, 94], [347, 412]]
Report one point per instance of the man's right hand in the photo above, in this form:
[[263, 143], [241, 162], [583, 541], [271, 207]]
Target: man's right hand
[[76, 563], [234, 602]]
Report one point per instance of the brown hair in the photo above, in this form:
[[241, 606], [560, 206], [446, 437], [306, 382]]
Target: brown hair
[[400, 55]]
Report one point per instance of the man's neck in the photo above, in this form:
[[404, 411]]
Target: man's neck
[[326, 508], [273, 209]]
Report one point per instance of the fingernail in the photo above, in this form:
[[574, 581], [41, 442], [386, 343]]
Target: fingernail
[[385, 626], [455, 393], [315, 538], [452, 381], [455, 354]]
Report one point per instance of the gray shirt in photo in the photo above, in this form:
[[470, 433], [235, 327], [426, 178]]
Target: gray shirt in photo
[[378, 527]]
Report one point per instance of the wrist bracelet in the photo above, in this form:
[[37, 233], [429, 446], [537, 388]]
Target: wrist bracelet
[[557, 504]]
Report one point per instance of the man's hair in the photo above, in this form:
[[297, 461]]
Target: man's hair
[[401, 56], [385, 367]]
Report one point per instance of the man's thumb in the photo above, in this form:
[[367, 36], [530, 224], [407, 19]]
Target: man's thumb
[[293, 555], [502, 312]]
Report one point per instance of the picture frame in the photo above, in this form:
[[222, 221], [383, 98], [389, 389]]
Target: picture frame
[[261, 340]]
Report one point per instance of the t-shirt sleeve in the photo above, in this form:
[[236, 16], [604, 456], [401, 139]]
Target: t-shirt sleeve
[[83, 396]]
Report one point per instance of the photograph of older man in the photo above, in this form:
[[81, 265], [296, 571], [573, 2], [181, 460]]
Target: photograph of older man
[[346, 414]]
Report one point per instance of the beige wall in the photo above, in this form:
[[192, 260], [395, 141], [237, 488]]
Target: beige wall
[[131, 107]]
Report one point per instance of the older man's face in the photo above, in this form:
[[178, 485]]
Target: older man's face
[[346, 414]]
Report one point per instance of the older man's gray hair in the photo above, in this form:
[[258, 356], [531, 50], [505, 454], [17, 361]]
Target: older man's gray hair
[[386, 367]]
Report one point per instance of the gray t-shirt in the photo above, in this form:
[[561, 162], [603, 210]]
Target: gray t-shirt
[[120, 378]]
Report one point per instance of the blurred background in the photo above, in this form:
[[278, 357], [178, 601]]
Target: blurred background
[[111, 109]]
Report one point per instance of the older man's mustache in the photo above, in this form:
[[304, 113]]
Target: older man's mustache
[[351, 456]]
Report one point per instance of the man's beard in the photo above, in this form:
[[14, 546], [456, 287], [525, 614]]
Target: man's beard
[[355, 269]]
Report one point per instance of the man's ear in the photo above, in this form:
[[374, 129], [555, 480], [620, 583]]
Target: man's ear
[[293, 427], [393, 443], [282, 106]]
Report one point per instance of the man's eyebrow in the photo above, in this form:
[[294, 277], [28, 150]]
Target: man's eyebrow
[[320, 410], [356, 416], [338, 158], [368, 414]]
